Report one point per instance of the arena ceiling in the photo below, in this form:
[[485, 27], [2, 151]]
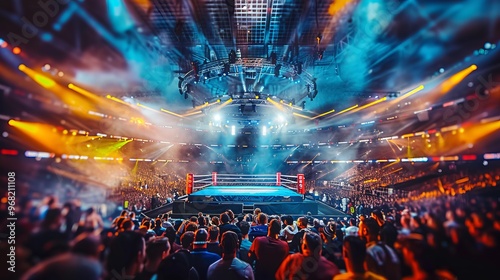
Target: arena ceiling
[[373, 68]]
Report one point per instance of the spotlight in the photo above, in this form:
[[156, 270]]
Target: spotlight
[[233, 130]]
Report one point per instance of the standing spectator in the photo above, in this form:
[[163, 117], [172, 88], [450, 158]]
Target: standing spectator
[[230, 267], [268, 252], [309, 264]]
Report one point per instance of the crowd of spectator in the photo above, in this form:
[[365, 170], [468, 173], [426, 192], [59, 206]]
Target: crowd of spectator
[[448, 237], [147, 188]]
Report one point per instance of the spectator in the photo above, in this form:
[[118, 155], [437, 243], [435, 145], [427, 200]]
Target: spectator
[[290, 228], [126, 255], [226, 226], [354, 253], [380, 258], [187, 240], [213, 242], [302, 228], [177, 266], [309, 264], [245, 243], [230, 267], [418, 256], [157, 249], [260, 229], [66, 266], [268, 252], [201, 257]]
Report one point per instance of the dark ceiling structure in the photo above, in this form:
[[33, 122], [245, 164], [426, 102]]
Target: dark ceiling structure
[[320, 73]]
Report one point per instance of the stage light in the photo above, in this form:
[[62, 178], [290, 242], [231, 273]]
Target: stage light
[[16, 50], [264, 130], [233, 130], [3, 44], [217, 117], [60, 74], [46, 67]]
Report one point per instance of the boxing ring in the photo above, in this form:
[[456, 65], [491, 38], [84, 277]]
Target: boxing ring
[[242, 193], [245, 187]]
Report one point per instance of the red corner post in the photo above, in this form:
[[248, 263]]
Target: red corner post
[[301, 184], [278, 178], [189, 183], [214, 178]]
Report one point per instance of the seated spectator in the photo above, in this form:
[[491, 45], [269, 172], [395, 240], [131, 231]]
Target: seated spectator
[[332, 246], [225, 225], [157, 249], [230, 267], [158, 229], [302, 228], [66, 266], [245, 243], [187, 240], [177, 266], [354, 253], [309, 264], [88, 245], [290, 228], [202, 258], [260, 229], [380, 258], [126, 255], [268, 252], [418, 256], [171, 235], [213, 242]]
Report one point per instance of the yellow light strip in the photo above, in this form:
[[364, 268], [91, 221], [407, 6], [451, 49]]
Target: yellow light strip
[[276, 104], [302, 116], [40, 79], [171, 113], [347, 110], [146, 107], [371, 104], [227, 102], [118, 100], [413, 91], [192, 113], [82, 91], [324, 114]]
